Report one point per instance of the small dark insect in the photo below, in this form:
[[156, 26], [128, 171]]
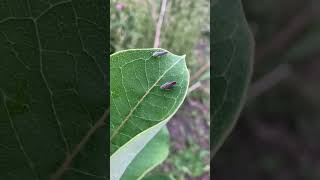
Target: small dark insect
[[168, 85], [159, 53]]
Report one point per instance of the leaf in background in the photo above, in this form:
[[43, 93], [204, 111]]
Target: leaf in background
[[139, 107], [53, 75], [155, 152], [157, 177], [232, 53]]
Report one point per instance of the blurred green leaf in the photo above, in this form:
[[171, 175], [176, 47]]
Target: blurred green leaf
[[180, 32], [155, 152], [189, 161], [157, 177], [139, 107], [232, 51], [53, 82]]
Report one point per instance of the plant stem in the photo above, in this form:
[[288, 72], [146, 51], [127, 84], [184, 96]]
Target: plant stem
[[159, 24]]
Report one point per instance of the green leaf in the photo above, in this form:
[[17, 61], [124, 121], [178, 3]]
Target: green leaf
[[139, 107], [155, 152], [158, 177], [232, 52], [53, 76]]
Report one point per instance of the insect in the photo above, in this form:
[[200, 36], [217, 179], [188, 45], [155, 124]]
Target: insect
[[159, 53], [168, 85]]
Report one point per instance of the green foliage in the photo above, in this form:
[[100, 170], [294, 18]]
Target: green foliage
[[133, 26], [189, 162], [157, 177], [125, 24], [139, 107], [53, 75], [232, 46], [155, 152]]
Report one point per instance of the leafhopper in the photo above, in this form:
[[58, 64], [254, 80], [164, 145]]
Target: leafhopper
[[168, 85], [159, 53]]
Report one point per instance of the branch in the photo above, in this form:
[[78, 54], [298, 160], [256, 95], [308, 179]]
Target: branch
[[276, 76], [159, 24], [269, 81], [194, 87], [200, 72], [283, 39]]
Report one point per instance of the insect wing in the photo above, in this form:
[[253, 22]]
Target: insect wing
[[159, 53], [168, 85]]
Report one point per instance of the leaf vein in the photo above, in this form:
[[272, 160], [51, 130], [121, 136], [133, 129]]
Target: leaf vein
[[141, 99]]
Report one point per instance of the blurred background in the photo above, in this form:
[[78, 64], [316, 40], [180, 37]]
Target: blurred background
[[185, 30], [278, 134]]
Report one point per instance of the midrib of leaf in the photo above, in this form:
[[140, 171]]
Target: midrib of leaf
[[141, 99]]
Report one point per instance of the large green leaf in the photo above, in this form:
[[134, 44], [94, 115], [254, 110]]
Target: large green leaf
[[155, 152], [53, 75], [232, 53], [139, 107]]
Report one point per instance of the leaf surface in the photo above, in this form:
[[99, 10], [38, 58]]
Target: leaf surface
[[157, 177], [139, 107], [53, 75], [155, 152], [232, 52]]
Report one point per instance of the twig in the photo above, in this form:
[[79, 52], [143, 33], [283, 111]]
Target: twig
[[200, 72], [159, 24], [283, 38], [276, 76], [269, 80], [194, 87], [206, 91]]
